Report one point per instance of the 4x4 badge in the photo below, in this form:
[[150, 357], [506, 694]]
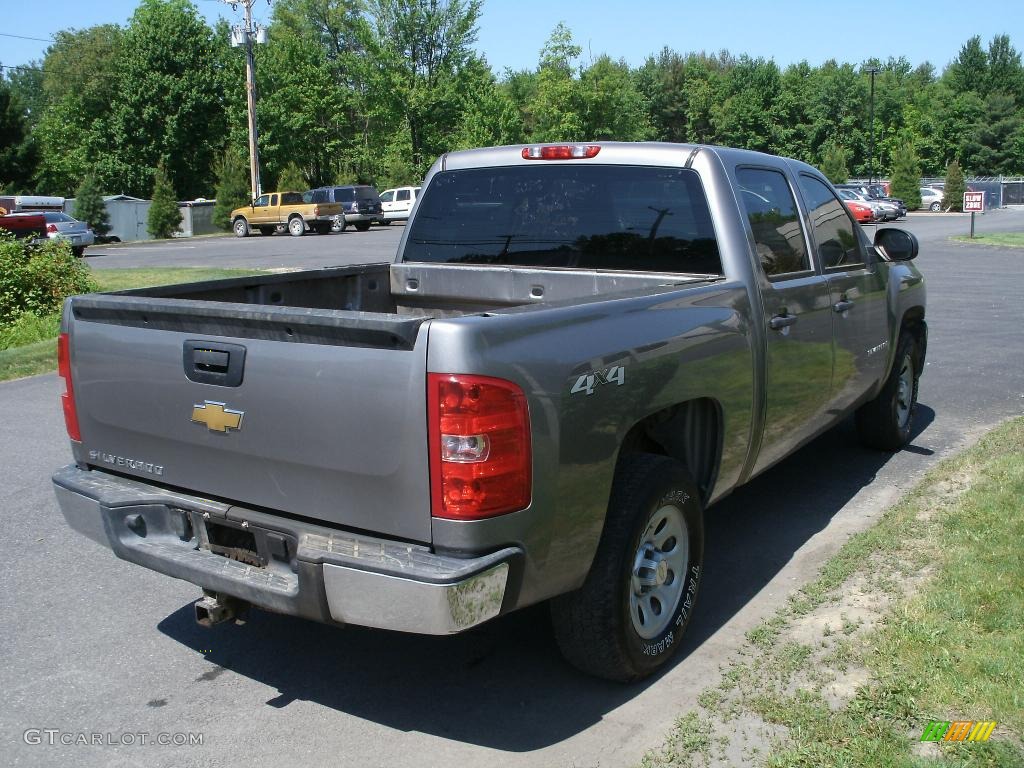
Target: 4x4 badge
[[217, 416]]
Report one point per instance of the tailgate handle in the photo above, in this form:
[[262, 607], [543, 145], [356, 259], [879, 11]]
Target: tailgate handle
[[213, 362]]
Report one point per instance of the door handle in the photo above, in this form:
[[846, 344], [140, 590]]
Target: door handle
[[779, 322], [842, 305]]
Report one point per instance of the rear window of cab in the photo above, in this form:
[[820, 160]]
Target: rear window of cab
[[604, 217]]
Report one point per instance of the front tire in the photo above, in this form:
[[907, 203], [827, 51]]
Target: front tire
[[936, 207], [629, 616], [886, 423], [296, 226], [241, 228]]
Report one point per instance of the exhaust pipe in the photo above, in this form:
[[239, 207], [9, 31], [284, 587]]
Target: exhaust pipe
[[214, 608]]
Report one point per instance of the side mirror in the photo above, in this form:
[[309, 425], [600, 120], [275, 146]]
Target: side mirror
[[896, 244]]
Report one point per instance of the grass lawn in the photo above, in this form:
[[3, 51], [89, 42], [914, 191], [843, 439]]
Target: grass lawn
[[33, 349], [919, 619], [1005, 239]]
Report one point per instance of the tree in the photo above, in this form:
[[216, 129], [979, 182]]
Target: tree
[[233, 189], [990, 148], [554, 107], [906, 174], [89, 205], [969, 71], [164, 214], [79, 84], [611, 104], [1005, 72], [833, 163], [417, 54], [169, 106], [16, 151], [953, 190], [291, 179]]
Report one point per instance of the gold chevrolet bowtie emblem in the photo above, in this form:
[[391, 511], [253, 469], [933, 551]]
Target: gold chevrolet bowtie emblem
[[217, 417]]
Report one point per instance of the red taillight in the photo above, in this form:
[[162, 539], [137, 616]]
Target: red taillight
[[561, 152], [316, 211], [68, 398], [479, 446], [51, 227]]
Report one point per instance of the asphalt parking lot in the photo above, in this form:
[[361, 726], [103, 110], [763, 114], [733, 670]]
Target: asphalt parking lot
[[280, 251], [94, 645]]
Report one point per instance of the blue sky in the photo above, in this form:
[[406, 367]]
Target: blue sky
[[512, 33]]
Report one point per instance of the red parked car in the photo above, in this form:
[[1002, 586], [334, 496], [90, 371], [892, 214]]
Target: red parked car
[[862, 213]]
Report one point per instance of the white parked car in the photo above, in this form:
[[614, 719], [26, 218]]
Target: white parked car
[[397, 203], [931, 199]]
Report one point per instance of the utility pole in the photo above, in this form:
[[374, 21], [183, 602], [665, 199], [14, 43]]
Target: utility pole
[[248, 35], [872, 70]]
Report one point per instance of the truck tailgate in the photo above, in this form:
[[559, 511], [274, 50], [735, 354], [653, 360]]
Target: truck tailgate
[[326, 429]]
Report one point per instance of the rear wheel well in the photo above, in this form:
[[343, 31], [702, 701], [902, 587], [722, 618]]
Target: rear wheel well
[[913, 322], [689, 432]]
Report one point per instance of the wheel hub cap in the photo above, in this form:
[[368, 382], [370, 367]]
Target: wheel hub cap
[[659, 572]]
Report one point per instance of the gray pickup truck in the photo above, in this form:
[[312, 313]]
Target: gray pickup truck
[[577, 350]]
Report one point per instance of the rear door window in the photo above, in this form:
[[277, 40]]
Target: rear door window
[[774, 220], [835, 232], [367, 193], [611, 217], [344, 194]]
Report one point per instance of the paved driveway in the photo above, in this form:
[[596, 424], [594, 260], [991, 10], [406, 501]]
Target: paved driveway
[[97, 646]]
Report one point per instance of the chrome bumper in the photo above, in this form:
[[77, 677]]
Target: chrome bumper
[[315, 572]]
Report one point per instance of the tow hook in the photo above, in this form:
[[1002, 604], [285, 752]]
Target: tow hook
[[215, 608]]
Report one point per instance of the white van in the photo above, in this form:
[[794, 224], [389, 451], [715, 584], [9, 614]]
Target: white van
[[397, 203]]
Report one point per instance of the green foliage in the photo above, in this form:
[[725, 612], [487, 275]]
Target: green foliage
[[373, 91], [291, 179], [16, 149], [164, 214], [554, 109], [27, 328], [89, 205], [953, 190], [168, 106], [991, 149], [37, 278], [906, 175], [233, 187], [833, 164]]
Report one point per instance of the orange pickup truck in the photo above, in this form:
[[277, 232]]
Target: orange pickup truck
[[292, 210]]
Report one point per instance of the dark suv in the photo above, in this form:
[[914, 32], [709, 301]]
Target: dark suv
[[360, 202]]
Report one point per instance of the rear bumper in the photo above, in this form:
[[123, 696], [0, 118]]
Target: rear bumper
[[306, 570]]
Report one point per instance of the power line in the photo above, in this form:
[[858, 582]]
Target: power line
[[23, 37]]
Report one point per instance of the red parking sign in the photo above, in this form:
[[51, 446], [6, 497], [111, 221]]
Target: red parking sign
[[974, 201]]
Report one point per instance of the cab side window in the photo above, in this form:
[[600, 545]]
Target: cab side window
[[834, 231], [774, 220], [403, 194], [273, 199]]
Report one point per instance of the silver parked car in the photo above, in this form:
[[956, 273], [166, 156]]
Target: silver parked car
[[931, 199], [60, 226]]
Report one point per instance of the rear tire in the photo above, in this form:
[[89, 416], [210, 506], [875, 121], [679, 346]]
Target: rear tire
[[78, 252], [267, 231], [323, 228], [935, 207], [362, 226], [886, 423], [629, 616], [241, 227], [296, 226]]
